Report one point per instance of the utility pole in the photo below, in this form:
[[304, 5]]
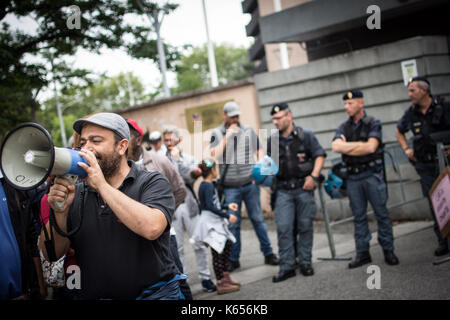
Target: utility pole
[[58, 107], [131, 101], [211, 58], [284, 56], [156, 18]]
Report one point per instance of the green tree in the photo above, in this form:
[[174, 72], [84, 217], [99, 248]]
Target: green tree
[[102, 25], [104, 94], [193, 71]]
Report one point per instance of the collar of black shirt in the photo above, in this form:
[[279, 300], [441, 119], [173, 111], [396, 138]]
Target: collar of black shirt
[[350, 119], [430, 109]]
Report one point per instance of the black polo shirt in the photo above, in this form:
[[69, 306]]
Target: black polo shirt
[[375, 131], [311, 144], [115, 262], [405, 123], [310, 140]]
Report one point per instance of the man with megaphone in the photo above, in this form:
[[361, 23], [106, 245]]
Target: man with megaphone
[[122, 245]]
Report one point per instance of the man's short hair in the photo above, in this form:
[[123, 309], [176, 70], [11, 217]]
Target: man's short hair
[[134, 133], [171, 129], [422, 83]]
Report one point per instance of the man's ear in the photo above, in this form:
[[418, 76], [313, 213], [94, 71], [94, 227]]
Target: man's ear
[[289, 115], [123, 146], [139, 141]]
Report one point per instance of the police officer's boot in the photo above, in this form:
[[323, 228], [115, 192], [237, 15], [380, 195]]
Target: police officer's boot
[[442, 248], [390, 257], [362, 258]]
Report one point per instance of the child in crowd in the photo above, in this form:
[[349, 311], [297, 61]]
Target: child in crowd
[[212, 227]]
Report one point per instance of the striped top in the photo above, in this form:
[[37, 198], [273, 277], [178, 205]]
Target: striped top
[[239, 154]]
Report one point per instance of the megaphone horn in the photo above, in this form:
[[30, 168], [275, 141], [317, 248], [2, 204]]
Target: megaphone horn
[[28, 157]]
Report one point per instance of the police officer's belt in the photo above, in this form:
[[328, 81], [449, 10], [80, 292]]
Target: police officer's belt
[[358, 168], [290, 184]]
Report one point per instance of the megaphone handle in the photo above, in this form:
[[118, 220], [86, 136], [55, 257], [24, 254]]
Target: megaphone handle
[[71, 179]]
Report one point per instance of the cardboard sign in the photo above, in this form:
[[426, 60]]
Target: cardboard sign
[[440, 198]]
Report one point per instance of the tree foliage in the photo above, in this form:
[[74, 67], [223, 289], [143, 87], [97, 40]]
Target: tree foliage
[[193, 69], [103, 94], [102, 25]]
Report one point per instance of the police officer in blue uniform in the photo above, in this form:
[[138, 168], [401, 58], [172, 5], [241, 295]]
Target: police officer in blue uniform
[[359, 140], [426, 115], [300, 158]]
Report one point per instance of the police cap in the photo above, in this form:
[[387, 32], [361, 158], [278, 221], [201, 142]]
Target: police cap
[[352, 94], [278, 107], [419, 79]]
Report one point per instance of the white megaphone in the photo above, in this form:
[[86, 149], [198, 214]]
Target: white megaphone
[[28, 157]]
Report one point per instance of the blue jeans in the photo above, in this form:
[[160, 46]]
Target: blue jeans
[[184, 286], [294, 205], [372, 189], [250, 195], [164, 290]]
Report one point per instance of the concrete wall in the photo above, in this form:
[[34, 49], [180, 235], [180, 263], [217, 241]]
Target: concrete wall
[[314, 92], [296, 53], [155, 115]]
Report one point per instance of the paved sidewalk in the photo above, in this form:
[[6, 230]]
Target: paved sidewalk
[[415, 278]]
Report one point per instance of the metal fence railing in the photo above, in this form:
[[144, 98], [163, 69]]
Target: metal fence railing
[[394, 157]]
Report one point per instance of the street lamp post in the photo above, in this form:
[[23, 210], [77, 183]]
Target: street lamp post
[[58, 107], [211, 58], [156, 20], [284, 55]]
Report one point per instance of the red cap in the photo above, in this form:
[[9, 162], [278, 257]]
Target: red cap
[[135, 125]]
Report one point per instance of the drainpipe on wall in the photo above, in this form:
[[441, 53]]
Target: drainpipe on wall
[[284, 56]]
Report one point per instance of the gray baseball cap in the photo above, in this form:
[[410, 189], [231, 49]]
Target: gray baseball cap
[[108, 120], [231, 108]]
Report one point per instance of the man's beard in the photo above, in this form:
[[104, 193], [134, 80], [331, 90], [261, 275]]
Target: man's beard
[[109, 163], [284, 127], [228, 124], [136, 152]]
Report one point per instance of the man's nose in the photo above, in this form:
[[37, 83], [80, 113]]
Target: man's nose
[[88, 146]]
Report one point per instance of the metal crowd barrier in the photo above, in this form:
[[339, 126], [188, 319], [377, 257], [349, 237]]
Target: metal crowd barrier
[[395, 156]]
